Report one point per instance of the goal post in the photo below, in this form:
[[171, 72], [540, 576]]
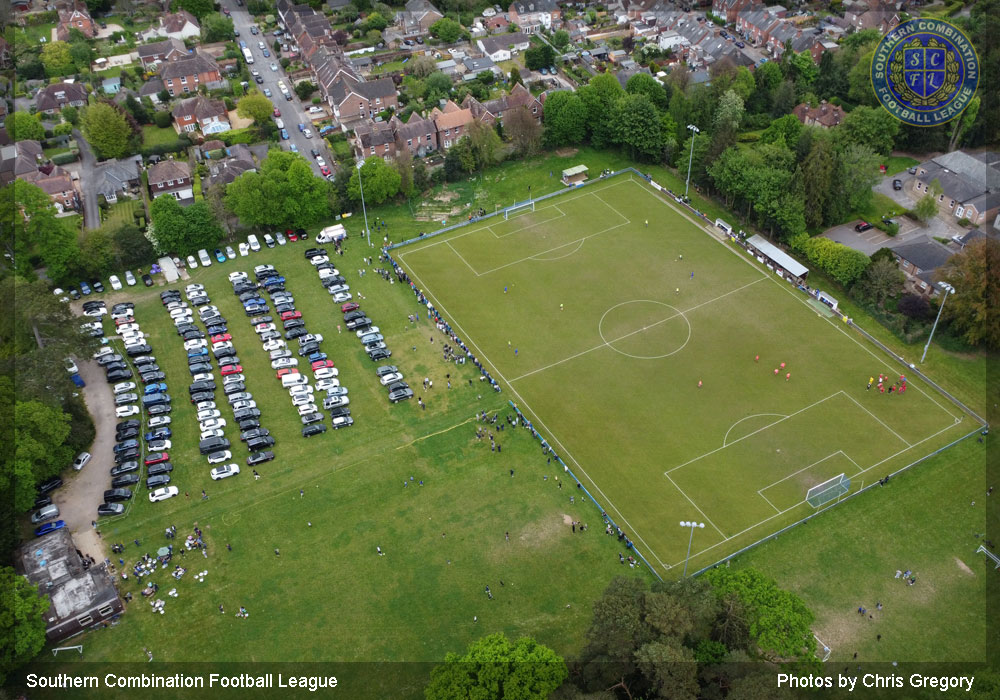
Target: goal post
[[515, 209], [821, 494]]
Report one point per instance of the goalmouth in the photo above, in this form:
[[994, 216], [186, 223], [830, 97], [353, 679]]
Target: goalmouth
[[515, 209], [830, 489]]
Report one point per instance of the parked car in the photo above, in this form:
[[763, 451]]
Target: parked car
[[897, 185], [863, 226], [110, 509], [49, 527], [259, 458], [224, 471], [162, 494]]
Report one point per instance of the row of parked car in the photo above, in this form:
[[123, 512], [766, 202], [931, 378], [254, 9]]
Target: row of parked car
[[251, 245]]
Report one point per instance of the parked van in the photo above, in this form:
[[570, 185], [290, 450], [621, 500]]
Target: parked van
[[47, 513], [254, 243], [280, 124], [290, 380]]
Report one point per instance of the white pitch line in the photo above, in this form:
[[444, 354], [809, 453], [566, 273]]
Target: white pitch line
[[543, 252], [755, 415], [878, 419], [562, 214], [819, 461], [448, 243], [681, 491], [768, 500]]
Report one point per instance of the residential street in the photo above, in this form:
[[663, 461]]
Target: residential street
[[88, 182], [292, 112]]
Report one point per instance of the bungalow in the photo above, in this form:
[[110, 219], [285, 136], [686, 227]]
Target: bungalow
[[475, 66], [170, 177], [503, 46], [161, 52], [118, 176], [451, 123], [418, 135], [201, 113], [76, 17], [177, 25], [238, 160], [187, 74], [374, 139], [825, 115], [52, 98], [533, 15], [918, 261], [966, 184]]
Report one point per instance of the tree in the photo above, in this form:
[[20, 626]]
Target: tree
[[420, 67], [106, 130], [926, 208], [305, 89], [216, 27], [645, 84], [671, 668], [63, 129], [421, 178], [447, 30], [285, 193], [857, 173], [167, 225], [859, 82], [515, 77], [786, 128], [375, 22], [40, 452], [638, 127], [381, 181], [565, 119], [523, 131], [22, 627], [818, 172], [493, 667], [783, 98], [403, 162], [36, 228], [984, 30], [198, 8], [560, 39], [600, 96], [57, 59], [872, 127], [82, 55], [485, 145], [726, 121], [70, 114], [882, 280], [438, 86], [255, 106], [964, 124], [974, 309], [131, 247], [541, 56], [24, 126], [831, 81], [137, 110], [96, 254]]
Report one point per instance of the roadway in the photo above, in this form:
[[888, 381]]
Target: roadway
[[292, 111]]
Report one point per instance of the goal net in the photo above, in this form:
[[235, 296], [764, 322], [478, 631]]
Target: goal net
[[516, 209], [830, 489]]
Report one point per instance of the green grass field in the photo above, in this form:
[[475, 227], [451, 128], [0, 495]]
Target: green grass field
[[603, 327]]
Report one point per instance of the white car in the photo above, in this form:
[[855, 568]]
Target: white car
[[274, 67], [205, 311], [194, 288], [302, 399], [279, 353], [202, 377], [106, 350], [126, 411], [180, 311], [308, 133], [128, 328], [284, 362], [192, 262], [204, 405], [328, 272], [211, 433], [341, 297], [159, 444], [319, 259], [221, 345], [134, 338], [217, 457], [212, 424], [208, 414], [336, 401], [129, 278], [123, 387], [254, 243], [261, 269], [306, 409], [246, 403], [230, 253], [233, 378], [116, 283], [204, 259], [280, 238], [224, 471], [237, 275], [387, 379], [327, 384], [195, 344], [157, 421], [264, 328], [274, 345], [368, 331], [81, 460], [341, 422], [326, 373], [244, 249], [162, 494], [96, 313], [310, 337]]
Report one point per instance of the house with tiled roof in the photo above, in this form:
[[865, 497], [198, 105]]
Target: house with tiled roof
[[57, 183], [161, 52], [493, 111], [115, 177], [201, 114], [352, 100], [531, 16], [330, 67], [497, 24], [451, 123], [731, 9], [19, 158], [502, 46], [75, 17], [919, 260], [152, 89], [414, 20], [967, 184], [170, 177], [176, 25], [187, 74], [756, 26], [373, 139], [52, 98], [825, 114], [418, 135], [238, 160]]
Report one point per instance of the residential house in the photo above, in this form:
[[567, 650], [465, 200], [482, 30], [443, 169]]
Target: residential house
[[161, 52], [330, 67], [373, 139], [670, 40], [451, 123], [81, 596], [352, 100], [626, 73], [75, 17], [52, 98], [756, 26], [201, 114], [475, 66], [416, 19], [187, 74], [418, 135], [825, 115], [496, 25], [918, 261], [238, 160], [177, 25], [729, 10], [19, 158], [170, 177], [152, 89], [114, 177], [967, 184], [493, 111], [882, 16], [57, 183], [502, 46], [533, 15]]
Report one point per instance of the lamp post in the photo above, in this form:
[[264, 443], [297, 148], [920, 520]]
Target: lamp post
[[365, 211], [948, 289], [694, 132], [691, 524]]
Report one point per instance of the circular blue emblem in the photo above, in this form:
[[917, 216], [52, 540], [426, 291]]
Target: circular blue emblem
[[925, 72]]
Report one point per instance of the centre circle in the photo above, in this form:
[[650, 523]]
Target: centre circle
[[644, 329]]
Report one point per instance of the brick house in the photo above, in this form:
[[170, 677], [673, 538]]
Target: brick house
[[451, 123], [418, 136], [493, 111], [416, 19], [729, 10], [187, 74], [532, 15], [756, 26], [374, 139], [918, 261], [238, 160], [969, 184], [75, 17], [170, 177], [201, 114], [57, 183], [352, 100], [52, 98], [825, 115], [161, 52]]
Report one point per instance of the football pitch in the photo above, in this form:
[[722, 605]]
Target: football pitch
[[629, 336]]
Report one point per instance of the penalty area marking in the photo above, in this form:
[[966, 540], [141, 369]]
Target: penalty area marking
[[725, 442]]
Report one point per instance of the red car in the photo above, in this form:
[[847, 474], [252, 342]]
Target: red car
[[277, 112], [282, 372], [230, 369], [324, 170], [222, 337], [320, 364], [123, 321], [292, 236], [289, 315], [350, 306], [156, 458]]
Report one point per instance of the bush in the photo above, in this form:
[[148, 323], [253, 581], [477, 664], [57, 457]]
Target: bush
[[965, 223], [64, 158], [239, 136], [914, 306], [178, 146], [162, 119]]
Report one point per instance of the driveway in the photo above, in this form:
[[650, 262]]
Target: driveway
[[944, 225], [79, 498], [88, 182]]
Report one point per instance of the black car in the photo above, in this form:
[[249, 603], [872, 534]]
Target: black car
[[106, 360], [127, 455], [313, 252], [254, 433], [124, 468], [260, 443], [251, 294], [246, 413], [200, 396], [113, 495], [296, 333], [395, 386], [332, 281], [155, 482], [203, 385], [144, 360], [259, 458], [224, 352], [380, 354], [308, 349], [117, 364], [119, 374], [126, 424], [98, 287], [863, 226], [50, 485], [148, 377], [161, 468], [358, 323], [234, 388], [214, 320], [294, 323], [213, 445], [264, 319], [256, 311], [341, 411], [248, 424], [314, 429], [195, 334], [272, 288], [400, 395], [42, 501], [282, 308], [147, 280], [352, 315], [138, 350], [897, 184], [159, 409], [199, 368], [124, 480], [242, 290], [110, 509], [167, 295], [127, 434]]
